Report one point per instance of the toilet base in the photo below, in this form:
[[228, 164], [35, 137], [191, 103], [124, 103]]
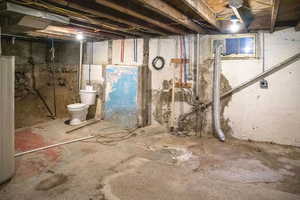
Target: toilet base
[[74, 122], [78, 113]]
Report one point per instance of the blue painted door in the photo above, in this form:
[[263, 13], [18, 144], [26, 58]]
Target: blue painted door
[[121, 95]]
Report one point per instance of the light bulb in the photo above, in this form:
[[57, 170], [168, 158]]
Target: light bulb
[[79, 36], [234, 27]]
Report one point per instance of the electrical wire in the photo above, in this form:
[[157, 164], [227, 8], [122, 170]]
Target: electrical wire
[[52, 50], [112, 138], [122, 50], [135, 50]]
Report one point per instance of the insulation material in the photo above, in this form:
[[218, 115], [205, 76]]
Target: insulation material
[[7, 164]]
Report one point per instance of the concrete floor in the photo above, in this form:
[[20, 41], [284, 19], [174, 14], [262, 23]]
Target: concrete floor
[[150, 165]]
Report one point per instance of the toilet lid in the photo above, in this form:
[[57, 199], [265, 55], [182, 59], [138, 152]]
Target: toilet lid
[[76, 105]]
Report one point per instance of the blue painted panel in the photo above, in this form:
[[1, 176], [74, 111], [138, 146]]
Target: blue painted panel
[[121, 95]]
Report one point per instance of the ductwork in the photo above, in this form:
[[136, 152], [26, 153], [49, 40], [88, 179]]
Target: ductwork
[[18, 19], [216, 93], [23, 10]]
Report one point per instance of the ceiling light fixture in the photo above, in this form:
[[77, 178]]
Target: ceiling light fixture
[[79, 36], [235, 26]]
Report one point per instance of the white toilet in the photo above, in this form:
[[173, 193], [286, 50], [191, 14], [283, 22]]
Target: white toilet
[[78, 111]]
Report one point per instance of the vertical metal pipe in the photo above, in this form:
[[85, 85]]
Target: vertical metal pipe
[[216, 93], [80, 67], [53, 77]]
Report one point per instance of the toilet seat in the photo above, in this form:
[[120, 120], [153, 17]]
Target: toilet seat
[[77, 106]]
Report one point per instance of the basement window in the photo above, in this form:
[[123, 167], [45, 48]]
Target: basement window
[[236, 46]]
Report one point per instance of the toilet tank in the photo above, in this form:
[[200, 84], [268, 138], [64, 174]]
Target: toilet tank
[[7, 128], [88, 96]]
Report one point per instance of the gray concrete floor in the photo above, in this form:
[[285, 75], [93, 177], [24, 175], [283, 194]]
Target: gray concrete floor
[[150, 165]]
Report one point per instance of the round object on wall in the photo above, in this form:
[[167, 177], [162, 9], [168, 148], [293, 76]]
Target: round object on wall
[[156, 61]]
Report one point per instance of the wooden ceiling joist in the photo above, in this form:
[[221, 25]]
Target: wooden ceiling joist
[[170, 12], [275, 7], [135, 14], [81, 8], [202, 9]]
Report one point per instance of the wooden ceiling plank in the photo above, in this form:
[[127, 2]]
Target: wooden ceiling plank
[[127, 11], [274, 14], [204, 11], [107, 16], [170, 12]]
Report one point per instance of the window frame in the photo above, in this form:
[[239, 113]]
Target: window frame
[[236, 56]]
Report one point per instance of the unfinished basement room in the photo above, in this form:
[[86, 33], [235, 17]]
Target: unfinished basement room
[[149, 99]]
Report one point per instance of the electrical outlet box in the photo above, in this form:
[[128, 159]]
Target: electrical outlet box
[[264, 84]]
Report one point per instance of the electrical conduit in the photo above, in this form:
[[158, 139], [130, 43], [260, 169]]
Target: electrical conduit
[[216, 93]]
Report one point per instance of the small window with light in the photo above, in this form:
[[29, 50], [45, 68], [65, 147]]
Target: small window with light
[[238, 46]]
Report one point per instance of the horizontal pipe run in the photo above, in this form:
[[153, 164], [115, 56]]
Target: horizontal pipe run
[[263, 75], [244, 85], [54, 145]]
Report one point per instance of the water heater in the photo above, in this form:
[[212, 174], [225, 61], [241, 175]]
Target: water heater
[[7, 127]]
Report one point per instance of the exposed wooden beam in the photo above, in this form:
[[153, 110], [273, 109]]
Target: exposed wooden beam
[[85, 19], [170, 12], [79, 7], [96, 29], [297, 27], [238, 14], [274, 14], [127, 11], [200, 7]]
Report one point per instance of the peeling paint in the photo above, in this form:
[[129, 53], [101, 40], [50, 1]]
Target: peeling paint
[[206, 96], [121, 95]]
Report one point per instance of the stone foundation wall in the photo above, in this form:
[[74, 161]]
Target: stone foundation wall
[[34, 74]]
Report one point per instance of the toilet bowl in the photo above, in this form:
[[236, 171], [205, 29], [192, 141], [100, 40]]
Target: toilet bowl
[[79, 111]]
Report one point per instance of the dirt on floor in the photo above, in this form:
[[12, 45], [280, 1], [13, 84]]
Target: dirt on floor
[[149, 164]]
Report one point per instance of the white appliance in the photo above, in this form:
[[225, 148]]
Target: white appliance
[[78, 111], [7, 115]]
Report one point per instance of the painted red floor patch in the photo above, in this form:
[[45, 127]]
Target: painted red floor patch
[[26, 140]]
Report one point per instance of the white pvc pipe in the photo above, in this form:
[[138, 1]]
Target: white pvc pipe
[[80, 67], [54, 145]]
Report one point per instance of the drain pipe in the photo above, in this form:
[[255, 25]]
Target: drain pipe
[[80, 66], [216, 93]]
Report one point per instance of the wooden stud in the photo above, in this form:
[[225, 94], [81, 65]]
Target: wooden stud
[[183, 85], [180, 61], [274, 14]]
